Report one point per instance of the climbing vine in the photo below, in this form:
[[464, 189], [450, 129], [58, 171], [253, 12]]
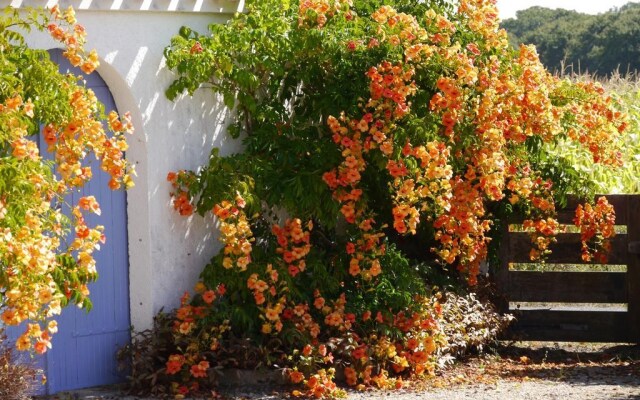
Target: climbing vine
[[46, 256], [381, 144]]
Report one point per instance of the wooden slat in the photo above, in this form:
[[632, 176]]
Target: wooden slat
[[633, 269], [567, 287], [501, 275], [570, 326], [567, 250]]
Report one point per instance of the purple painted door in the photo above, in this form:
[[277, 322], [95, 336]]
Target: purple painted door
[[83, 353]]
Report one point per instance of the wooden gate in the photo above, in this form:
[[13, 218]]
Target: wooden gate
[[566, 299]]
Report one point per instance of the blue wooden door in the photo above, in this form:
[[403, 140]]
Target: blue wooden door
[[83, 353]]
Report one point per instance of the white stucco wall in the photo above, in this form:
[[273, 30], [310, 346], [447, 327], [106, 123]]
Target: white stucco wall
[[166, 251]]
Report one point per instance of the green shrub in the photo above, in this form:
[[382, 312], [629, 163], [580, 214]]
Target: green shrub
[[381, 145]]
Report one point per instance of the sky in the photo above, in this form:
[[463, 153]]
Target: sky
[[508, 8]]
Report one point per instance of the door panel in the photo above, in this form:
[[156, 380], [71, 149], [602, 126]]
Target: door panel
[[83, 352]]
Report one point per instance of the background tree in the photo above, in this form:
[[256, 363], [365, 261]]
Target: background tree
[[568, 41]]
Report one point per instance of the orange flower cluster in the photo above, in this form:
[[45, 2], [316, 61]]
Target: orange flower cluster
[[400, 29], [14, 110], [235, 233], [300, 316], [428, 186], [596, 225], [481, 17], [542, 225], [191, 365], [28, 251], [315, 13], [70, 141], [335, 316], [319, 385], [293, 242], [199, 370], [449, 101], [187, 315], [111, 151], [87, 240], [390, 87], [31, 251], [270, 298], [180, 183], [365, 252], [413, 352], [65, 30], [344, 183], [30, 256], [36, 337], [542, 232], [461, 229], [175, 363], [209, 295]]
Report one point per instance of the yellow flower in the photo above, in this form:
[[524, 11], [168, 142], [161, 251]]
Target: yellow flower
[[272, 314], [45, 296], [52, 327], [23, 342]]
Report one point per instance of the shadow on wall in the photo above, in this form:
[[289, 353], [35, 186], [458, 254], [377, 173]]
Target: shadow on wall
[[206, 125], [168, 136], [192, 126]]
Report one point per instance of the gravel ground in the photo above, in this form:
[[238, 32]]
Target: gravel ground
[[522, 371], [593, 390], [501, 391], [522, 391], [618, 388], [513, 372]]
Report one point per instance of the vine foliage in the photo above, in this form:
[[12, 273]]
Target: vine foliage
[[46, 256], [382, 141]]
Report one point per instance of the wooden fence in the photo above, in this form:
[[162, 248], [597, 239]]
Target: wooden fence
[[572, 302]]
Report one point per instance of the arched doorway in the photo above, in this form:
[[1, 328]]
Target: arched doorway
[[83, 353]]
